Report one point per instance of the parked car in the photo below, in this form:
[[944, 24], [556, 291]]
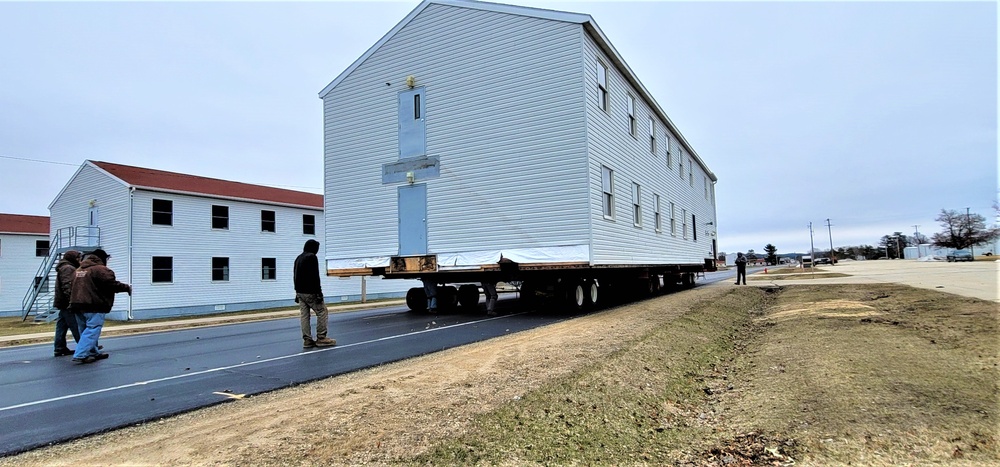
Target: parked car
[[960, 255], [822, 261]]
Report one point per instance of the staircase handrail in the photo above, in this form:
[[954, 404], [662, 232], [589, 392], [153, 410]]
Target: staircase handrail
[[69, 235]]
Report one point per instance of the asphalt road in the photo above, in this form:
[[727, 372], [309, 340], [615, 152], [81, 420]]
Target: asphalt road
[[46, 400]]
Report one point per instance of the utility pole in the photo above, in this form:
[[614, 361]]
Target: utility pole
[[916, 238], [812, 250], [833, 255], [968, 228]]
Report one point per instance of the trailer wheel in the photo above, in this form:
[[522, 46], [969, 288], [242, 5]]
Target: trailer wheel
[[468, 296], [593, 292], [526, 293], [416, 299], [576, 297]]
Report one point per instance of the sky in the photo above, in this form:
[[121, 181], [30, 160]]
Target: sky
[[869, 116]]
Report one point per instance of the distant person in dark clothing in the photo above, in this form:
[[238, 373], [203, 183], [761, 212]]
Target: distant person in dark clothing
[[64, 286], [741, 268], [93, 294], [309, 296]]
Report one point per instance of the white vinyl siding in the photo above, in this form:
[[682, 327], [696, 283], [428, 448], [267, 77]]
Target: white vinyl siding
[[509, 132], [18, 264]]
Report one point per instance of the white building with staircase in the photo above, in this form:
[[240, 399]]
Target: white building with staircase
[[193, 245], [24, 243]]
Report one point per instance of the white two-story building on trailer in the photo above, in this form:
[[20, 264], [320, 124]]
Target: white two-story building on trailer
[[193, 245], [24, 241], [477, 131]]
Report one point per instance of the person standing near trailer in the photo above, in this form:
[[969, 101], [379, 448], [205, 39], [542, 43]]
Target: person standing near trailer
[[490, 290], [309, 296]]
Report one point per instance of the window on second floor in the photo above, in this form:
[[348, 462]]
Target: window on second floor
[[163, 212], [308, 224], [666, 144], [690, 173], [680, 163], [673, 219], [220, 217], [41, 248], [267, 221]]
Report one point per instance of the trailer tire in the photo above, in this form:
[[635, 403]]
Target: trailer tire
[[468, 296], [416, 299], [576, 297], [592, 290]]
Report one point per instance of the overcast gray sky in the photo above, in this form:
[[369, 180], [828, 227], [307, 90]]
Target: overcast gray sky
[[873, 115]]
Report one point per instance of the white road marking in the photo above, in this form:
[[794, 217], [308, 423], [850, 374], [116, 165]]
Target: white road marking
[[230, 367]]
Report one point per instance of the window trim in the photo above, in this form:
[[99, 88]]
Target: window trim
[[153, 270], [657, 214], [636, 204], [220, 217], [273, 221], [224, 269], [312, 224], [631, 116], [273, 269], [602, 87], [154, 212], [608, 192]]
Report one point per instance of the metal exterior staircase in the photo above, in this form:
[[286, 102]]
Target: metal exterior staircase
[[37, 301]]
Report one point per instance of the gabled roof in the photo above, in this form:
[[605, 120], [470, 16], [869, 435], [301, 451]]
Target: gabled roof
[[23, 224], [161, 180], [584, 20]]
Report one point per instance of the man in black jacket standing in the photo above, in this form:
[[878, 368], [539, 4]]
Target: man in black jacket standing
[[309, 295]]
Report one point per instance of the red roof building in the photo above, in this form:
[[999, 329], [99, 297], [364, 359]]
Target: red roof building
[[23, 224]]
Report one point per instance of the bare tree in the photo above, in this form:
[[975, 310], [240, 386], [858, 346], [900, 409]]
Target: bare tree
[[962, 230]]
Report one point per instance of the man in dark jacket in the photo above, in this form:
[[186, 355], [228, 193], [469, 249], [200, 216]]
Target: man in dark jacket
[[67, 319], [93, 294], [309, 295], [741, 268]]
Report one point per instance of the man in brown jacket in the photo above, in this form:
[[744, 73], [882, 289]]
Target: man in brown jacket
[[94, 289], [67, 319]]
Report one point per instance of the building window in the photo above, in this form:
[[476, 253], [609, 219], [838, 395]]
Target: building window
[[602, 86], [220, 269], [666, 143], [657, 217], [680, 163], [267, 221], [268, 269], [416, 106], [631, 116], [652, 135], [673, 219], [690, 173], [608, 187], [636, 205], [163, 212], [163, 269], [684, 223], [694, 227], [41, 248], [220, 217], [308, 224]]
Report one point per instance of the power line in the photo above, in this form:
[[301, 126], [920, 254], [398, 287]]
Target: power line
[[37, 160]]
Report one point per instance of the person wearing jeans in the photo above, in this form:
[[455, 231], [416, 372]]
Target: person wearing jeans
[[93, 295], [67, 319]]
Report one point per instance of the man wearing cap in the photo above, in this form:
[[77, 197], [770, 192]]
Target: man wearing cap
[[93, 295], [67, 319]]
